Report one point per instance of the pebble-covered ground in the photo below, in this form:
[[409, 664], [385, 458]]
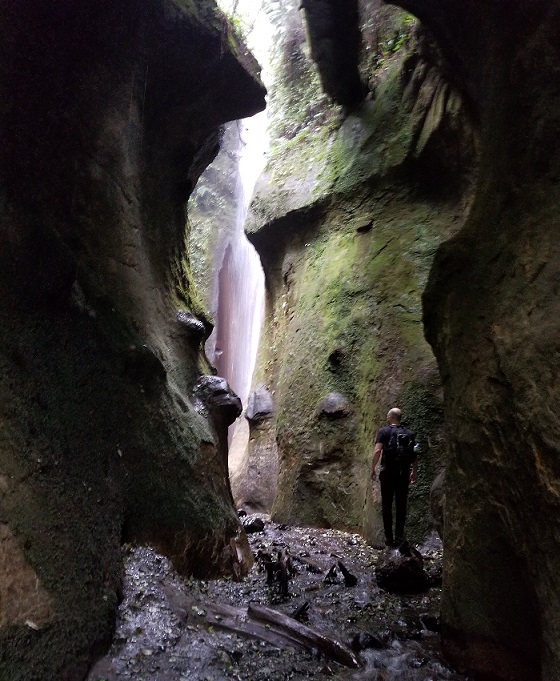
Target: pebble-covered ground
[[169, 630]]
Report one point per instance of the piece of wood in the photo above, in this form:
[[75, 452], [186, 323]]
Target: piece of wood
[[258, 630], [349, 578], [329, 647], [309, 565], [259, 621], [279, 570], [300, 613], [331, 577]]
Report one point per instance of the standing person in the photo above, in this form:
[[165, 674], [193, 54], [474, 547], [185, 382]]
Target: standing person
[[394, 445]]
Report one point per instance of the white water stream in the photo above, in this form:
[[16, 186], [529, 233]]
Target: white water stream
[[233, 345]]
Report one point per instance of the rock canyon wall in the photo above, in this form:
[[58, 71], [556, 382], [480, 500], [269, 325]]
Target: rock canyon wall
[[109, 429], [430, 165], [347, 217], [455, 144], [491, 317]]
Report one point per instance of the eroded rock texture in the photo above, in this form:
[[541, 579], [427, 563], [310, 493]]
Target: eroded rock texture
[[491, 314], [109, 113], [400, 162], [335, 40], [347, 217]]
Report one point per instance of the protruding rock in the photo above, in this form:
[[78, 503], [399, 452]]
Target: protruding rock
[[216, 395], [192, 325], [334, 405], [260, 405], [402, 571]]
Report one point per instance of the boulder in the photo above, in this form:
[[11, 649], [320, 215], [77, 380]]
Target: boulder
[[334, 405], [260, 405], [253, 524], [401, 571], [220, 400]]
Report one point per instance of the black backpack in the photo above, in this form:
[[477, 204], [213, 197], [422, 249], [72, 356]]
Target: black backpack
[[400, 448]]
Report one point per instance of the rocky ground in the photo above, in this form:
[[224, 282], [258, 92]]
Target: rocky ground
[[183, 630]]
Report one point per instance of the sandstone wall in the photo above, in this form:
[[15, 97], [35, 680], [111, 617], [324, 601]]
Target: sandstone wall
[[109, 113]]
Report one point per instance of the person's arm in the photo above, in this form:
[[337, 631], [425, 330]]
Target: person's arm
[[414, 472], [378, 450]]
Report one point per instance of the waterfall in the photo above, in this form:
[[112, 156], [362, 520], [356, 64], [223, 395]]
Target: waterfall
[[239, 290], [233, 345]]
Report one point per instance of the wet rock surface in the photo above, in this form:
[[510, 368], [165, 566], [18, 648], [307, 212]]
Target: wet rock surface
[[216, 395], [261, 404], [173, 629], [402, 571]]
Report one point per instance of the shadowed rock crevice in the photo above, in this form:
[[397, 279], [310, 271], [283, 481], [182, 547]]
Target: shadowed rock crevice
[[335, 39]]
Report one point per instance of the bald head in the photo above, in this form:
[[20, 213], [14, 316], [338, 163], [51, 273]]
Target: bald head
[[394, 415]]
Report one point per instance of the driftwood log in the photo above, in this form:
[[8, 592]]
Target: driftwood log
[[329, 647], [261, 622], [309, 565]]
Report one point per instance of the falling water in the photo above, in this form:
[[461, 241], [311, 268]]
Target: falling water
[[232, 348]]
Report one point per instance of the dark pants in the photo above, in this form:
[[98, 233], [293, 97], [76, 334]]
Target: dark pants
[[394, 484]]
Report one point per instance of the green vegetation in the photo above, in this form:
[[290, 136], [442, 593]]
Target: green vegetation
[[237, 26], [326, 157], [385, 34], [404, 24], [186, 296]]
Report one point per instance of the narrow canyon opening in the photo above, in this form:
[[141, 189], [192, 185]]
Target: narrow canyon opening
[[406, 223]]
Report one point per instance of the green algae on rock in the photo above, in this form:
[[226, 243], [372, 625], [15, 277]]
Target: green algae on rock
[[347, 224]]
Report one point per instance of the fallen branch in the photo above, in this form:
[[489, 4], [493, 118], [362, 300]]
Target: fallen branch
[[349, 578], [329, 647], [279, 570], [300, 614], [260, 622], [331, 577], [310, 566]]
